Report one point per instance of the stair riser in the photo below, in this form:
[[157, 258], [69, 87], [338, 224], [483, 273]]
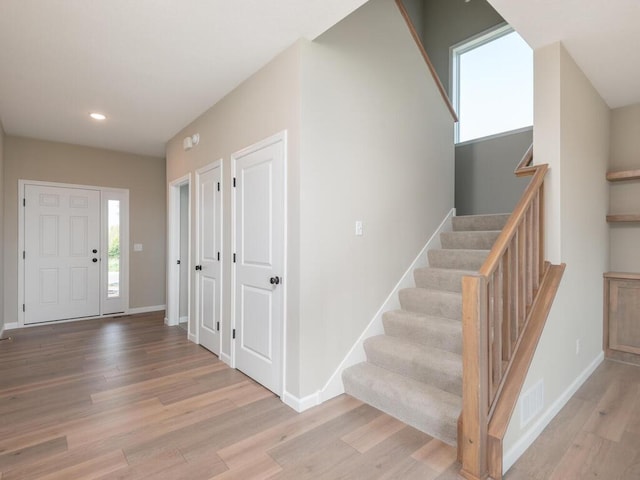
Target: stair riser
[[468, 240], [479, 222], [446, 376], [432, 426], [429, 336], [441, 304], [451, 280], [425, 413], [457, 259]]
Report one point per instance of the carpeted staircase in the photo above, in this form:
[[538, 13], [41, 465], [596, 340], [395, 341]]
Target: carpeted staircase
[[414, 371]]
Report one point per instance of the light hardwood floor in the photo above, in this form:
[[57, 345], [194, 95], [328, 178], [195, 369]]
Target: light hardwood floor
[[129, 398]]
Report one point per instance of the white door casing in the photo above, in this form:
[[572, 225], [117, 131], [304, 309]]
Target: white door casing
[[174, 254], [61, 256], [209, 256], [259, 239]]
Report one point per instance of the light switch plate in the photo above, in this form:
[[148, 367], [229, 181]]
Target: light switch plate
[[137, 247]]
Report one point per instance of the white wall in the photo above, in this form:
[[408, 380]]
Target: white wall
[[571, 134], [2, 320], [624, 197], [376, 146], [266, 103]]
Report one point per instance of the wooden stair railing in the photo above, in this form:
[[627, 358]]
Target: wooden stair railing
[[504, 309]]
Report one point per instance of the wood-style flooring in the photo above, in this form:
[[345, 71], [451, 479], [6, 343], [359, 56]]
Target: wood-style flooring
[[129, 398], [595, 436]]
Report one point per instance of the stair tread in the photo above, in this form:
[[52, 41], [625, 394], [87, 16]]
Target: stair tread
[[425, 407], [413, 352], [430, 301], [480, 222], [457, 258], [427, 330], [440, 368], [469, 239]]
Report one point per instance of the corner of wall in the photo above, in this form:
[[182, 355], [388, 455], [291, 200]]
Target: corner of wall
[[356, 354], [571, 134]]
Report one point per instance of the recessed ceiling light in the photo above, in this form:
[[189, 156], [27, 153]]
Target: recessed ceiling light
[[98, 116]]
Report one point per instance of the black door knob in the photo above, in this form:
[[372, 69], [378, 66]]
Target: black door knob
[[274, 280], [94, 260], [95, 251], [198, 267]]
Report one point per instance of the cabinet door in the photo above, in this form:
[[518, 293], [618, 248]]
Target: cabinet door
[[624, 315]]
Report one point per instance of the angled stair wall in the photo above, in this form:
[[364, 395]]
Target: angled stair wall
[[414, 371]]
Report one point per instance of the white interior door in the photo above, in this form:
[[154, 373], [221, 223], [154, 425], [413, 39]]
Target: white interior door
[[208, 268], [61, 257], [259, 242]]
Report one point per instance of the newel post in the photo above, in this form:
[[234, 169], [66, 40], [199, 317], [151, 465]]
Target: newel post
[[475, 378]]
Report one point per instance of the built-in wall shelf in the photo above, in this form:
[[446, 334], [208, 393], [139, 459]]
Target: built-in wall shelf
[[622, 175], [623, 218]]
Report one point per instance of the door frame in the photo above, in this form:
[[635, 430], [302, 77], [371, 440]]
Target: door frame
[[173, 252], [199, 172], [280, 136], [124, 245]]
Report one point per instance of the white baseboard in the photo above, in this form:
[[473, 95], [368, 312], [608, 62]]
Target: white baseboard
[[183, 320], [10, 326], [192, 338], [301, 404], [153, 308], [225, 358], [356, 354], [537, 427]]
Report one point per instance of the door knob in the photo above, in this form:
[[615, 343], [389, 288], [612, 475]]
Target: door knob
[[94, 260], [94, 250], [198, 267], [274, 280]]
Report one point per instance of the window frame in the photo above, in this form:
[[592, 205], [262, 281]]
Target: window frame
[[455, 51]]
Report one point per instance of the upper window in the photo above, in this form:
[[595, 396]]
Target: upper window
[[492, 84]]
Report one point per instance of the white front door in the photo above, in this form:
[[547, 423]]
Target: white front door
[[208, 262], [61, 257], [259, 267]]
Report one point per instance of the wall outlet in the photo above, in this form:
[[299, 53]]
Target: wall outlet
[[359, 231]]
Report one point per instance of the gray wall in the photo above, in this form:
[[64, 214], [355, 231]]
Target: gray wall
[[29, 159], [624, 197], [485, 182], [376, 146], [415, 10], [448, 22]]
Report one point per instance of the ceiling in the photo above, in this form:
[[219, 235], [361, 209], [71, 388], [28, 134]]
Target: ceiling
[[152, 66], [602, 36]]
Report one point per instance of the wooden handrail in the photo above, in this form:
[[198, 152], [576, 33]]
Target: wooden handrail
[[502, 242], [432, 70], [504, 308]]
